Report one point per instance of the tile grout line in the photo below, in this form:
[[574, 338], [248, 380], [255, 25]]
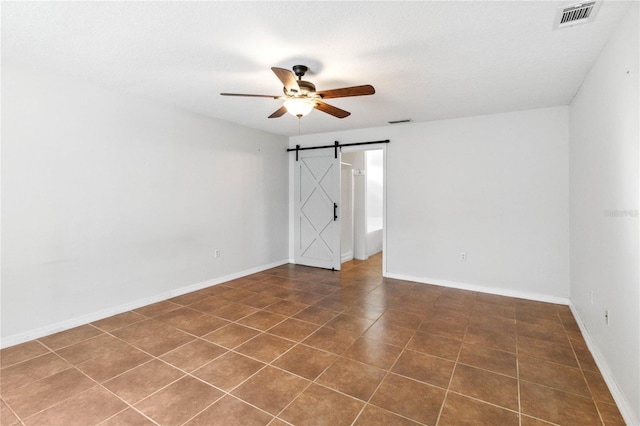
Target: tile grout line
[[388, 372], [518, 371], [444, 401]]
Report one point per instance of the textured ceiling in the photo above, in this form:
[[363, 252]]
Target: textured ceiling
[[427, 60]]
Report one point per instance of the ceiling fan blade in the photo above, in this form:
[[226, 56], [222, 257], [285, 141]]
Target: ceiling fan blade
[[366, 89], [287, 78], [279, 113], [251, 96], [330, 109]]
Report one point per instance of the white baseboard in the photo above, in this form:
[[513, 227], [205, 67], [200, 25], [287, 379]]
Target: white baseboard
[[105, 313], [623, 405], [346, 257], [483, 289]]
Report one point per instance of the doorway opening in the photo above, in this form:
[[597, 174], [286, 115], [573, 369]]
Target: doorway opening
[[362, 204]]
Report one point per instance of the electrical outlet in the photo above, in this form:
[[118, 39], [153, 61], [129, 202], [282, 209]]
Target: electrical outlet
[[463, 256], [216, 253], [606, 317]]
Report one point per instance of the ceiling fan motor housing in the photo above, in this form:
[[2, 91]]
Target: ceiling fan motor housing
[[300, 70]]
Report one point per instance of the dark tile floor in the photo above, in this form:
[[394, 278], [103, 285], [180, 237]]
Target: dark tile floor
[[304, 346]]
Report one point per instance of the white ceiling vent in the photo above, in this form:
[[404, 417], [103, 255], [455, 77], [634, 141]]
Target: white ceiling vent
[[576, 14]]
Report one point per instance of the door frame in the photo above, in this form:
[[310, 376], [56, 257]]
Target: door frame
[[292, 160], [382, 147]]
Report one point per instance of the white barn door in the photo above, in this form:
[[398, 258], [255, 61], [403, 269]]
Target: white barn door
[[316, 209]]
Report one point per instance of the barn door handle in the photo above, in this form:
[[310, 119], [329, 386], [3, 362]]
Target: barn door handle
[[335, 211]]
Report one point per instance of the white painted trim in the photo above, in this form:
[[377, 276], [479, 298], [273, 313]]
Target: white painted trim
[[483, 289], [346, 257], [623, 405], [105, 313]]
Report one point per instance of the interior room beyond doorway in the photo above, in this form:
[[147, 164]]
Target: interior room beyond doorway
[[362, 204]]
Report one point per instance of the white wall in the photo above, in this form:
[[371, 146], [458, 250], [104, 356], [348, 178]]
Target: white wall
[[110, 200], [374, 189], [495, 187], [358, 161], [346, 212], [604, 155]]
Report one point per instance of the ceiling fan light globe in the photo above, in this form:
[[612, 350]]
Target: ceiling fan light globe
[[299, 107]]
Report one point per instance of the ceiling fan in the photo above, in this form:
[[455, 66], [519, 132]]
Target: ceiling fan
[[300, 96]]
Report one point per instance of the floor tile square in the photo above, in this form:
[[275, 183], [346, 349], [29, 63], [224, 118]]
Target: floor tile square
[[550, 374], [450, 328], [232, 409], [350, 324], [234, 311], [228, 371], [193, 355], [487, 386], [271, 389], [265, 347], [91, 348], [179, 402], [69, 337], [390, 334], [598, 387], [142, 381], [331, 340], [128, 417], [22, 352], [34, 397], [156, 309], [425, 368], [231, 336], [210, 305], [152, 336], [286, 307], [259, 301], [111, 364], [366, 310], [556, 406], [459, 410], [610, 414], [353, 378], [305, 361], [316, 315], [402, 319], [187, 299], [409, 398], [490, 337], [489, 359], [7, 418], [87, 408], [118, 321], [294, 329], [318, 405], [375, 416], [192, 321], [433, 344], [551, 331], [30, 371], [373, 352], [262, 320], [560, 353]]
